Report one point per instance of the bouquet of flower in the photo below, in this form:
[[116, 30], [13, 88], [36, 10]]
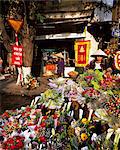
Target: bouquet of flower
[[90, 94], [90, 78], [15, 142], [85, 134], [32, 83], [51, 98], [110, 83]]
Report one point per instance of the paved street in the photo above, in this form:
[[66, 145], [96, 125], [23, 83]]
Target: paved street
[[13, 96]]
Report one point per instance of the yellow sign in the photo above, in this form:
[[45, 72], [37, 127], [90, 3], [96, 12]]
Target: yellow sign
[[117, 60], [16, 24]]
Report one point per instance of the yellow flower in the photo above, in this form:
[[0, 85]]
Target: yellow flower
[[84, 121], [84, 136], [70, 131]]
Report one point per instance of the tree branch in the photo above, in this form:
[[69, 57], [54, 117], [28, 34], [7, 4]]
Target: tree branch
[[6, 38]]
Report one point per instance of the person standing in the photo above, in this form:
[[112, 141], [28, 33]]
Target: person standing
[[60, 67], [99, 61], [1, 65]]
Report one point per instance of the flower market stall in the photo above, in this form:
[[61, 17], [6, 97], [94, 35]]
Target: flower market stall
[[79, 113]]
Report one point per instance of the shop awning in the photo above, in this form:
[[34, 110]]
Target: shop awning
[[61, 36]]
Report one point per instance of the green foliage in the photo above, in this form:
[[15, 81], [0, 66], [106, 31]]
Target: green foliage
[[95, 85], [40, 18], [91, 78], [110, 92], [74, 143]]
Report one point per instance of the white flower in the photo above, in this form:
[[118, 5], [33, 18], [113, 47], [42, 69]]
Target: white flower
[[85, 148], [77, 131], [70, 82], [94, 137], [73, 123], [11, 119], [14, 133]]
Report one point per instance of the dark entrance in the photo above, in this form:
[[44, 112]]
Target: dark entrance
[[58, 45]]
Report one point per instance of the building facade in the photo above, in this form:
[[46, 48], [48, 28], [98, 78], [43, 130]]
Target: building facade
[[116, 10]]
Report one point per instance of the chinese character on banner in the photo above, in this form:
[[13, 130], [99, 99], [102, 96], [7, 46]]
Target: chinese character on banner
[[17, 53], [82, 53], [117, 60]]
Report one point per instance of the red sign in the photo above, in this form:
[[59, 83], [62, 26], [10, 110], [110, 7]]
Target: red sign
[[17, 53], [50, 67], [81, 53]]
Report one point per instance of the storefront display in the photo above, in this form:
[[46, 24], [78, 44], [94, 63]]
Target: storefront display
[[49, 62]]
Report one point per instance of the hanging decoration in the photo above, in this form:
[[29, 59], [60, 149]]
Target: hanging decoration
[[82, 53], [17, 50], [16, 24], [117, 60], [17, 53]]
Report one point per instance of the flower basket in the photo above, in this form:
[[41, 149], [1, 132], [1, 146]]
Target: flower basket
[[73, 74]]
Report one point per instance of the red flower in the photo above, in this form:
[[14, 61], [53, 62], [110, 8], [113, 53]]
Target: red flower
[[36, 128], [42, 139], [43, 124], [44, 117], [10, 140], [28, 109], [83, 93], [19, 144], [89, 77], [58, 123], [6, 115], [12, 147], [55, 116], [15, 142], [23, 114]]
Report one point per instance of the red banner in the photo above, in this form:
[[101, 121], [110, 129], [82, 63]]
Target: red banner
[[17, 53], [82, 53]]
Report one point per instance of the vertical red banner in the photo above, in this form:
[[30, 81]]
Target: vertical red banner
[[17, 53], [82, 53]]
